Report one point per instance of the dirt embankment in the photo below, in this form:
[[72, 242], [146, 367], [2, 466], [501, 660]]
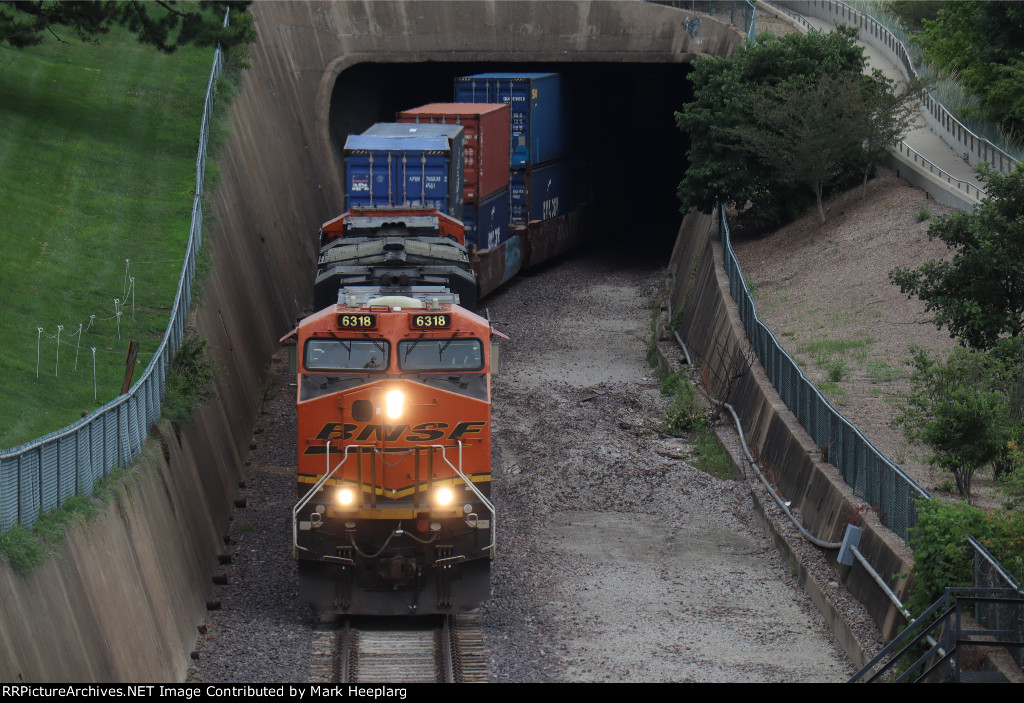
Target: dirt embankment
[[825, 293]]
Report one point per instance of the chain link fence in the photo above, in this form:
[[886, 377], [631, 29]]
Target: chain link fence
[[873, 477], [988, 572], [40, 475]]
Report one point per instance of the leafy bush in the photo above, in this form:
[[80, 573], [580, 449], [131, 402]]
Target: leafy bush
[[686, 412], [22, 551], [190, 381], [959, 409], [942, 555], [25, 549], [978, 292], [836, 370], [1011, 482]]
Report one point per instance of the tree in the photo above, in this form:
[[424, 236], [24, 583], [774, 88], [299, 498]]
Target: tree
[[1009, 357], [982, 43], [959, 411], [720, 168], [978, 294], [889, 112], [913, 12], [165, 24], [805, 129]]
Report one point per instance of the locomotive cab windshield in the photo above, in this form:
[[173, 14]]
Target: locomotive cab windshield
[[330, 354], [447, 354]]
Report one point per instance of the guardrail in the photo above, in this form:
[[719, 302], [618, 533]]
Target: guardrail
[[965, 188], [40, 475]]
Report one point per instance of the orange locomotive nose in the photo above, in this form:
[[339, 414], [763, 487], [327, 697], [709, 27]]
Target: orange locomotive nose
[[393, 418], [397, 393], [430, 430]]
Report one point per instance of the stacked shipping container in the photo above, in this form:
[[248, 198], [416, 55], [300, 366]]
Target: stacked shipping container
[[538, 129], [540, 179], [495, 158], [487, 204], [487, 130], [456, 143], [401, 171]]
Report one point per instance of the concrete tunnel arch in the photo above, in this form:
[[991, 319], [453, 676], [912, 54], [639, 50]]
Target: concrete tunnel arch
[[281, 169], [636, 42]]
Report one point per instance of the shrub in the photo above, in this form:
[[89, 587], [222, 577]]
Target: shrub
[[942, 555], [686, 411], [190, 381]]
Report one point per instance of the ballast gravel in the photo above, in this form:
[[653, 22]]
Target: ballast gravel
[[617, 560]]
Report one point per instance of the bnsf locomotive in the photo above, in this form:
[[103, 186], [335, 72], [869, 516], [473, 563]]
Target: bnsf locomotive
[[394, 371], [394, 435]]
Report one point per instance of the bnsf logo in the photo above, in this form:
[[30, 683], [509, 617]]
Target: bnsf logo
[[423, 432]]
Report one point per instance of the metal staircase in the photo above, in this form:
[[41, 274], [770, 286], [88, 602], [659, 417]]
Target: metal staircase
[[933, 647]]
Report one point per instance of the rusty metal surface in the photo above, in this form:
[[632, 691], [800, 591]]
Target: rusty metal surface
[[528, 246], [550, 238], [494, 267]]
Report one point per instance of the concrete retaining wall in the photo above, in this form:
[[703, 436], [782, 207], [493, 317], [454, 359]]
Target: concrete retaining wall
[[120, 600], [709, 323]]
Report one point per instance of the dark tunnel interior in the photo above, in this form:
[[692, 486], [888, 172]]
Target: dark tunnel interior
[[621, 124]]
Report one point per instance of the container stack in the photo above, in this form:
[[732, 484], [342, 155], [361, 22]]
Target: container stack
[[456, 137], [486, 195], [540, 177], [397, 171], [496, 158]]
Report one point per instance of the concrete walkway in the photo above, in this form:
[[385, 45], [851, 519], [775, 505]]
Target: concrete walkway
[[921, 138]]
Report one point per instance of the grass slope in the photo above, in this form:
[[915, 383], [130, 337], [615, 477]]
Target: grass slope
[[97, 165]]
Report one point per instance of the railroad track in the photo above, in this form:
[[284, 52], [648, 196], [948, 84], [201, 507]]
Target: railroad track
[[439, 649]]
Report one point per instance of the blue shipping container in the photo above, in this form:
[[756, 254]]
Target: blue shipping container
[[456, 137], [541, 192], [400, 171], [487, 221], [539, 132]]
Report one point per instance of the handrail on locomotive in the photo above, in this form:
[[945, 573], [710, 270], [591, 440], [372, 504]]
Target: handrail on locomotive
[[471, 519]]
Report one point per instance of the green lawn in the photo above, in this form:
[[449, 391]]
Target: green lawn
[[97, 165]]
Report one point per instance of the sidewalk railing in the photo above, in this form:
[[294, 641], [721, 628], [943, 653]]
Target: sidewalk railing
[[967, 189], [961, 139]]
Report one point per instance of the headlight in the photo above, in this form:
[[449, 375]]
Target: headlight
[[444, 496], [393, 402], [346, 496]]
